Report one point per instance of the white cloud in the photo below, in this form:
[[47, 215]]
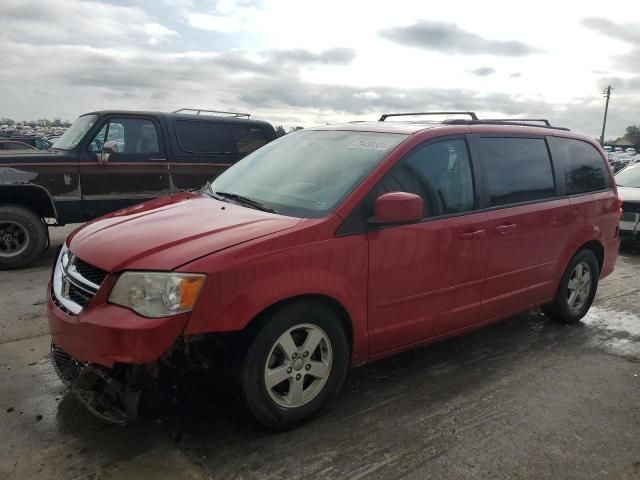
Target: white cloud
[[216, 23], [307, 62], [157, 33]]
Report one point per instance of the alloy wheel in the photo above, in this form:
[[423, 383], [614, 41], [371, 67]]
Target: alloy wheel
[[298, 365], [579, 287]]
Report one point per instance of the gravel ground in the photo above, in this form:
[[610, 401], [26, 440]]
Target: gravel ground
[[524, 398]]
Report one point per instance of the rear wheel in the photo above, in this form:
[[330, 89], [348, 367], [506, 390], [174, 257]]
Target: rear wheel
[[577, 289], [23, 236], [295, 364]]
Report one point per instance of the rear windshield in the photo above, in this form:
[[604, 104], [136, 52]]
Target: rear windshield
[[306, 174], [217, 137], [629, 177]]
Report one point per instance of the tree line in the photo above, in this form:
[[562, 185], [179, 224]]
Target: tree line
[[631, 135], [41, 122]]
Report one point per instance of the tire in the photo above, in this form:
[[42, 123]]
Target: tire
[[301, 394], [568, 309], [23, 236]]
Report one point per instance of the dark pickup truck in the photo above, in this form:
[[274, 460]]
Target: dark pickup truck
[[112, 159]]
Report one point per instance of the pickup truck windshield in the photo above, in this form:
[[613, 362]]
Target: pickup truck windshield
[[76, 132], [307, 173]]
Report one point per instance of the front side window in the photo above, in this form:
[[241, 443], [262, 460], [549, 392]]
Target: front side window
[[134, 136], [584, 169], [518, 169], [306, 174], [440, 173], [75, 133]]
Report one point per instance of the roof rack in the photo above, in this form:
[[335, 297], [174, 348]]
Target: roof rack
[[199, 110], [474, 120], [521, 122], [409, 114]]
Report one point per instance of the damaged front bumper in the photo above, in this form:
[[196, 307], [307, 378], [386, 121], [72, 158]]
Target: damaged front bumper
[[115, 394], [112, 395]]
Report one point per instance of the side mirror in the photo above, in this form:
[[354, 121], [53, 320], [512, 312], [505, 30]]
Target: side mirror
[[109, 148], [397, 207]]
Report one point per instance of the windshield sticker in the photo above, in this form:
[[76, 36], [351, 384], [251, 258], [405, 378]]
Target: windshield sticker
[[369, 145]]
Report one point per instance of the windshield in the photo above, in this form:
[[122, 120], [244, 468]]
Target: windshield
[[629, 177], [71, 138], [307, 173]]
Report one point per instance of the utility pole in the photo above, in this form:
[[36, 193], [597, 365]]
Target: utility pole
[[605, 93]]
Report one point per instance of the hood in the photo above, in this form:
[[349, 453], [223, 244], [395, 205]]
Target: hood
[[32, 155], [629, 194], [168, 232]]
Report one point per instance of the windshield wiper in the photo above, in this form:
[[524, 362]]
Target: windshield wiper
[[240, 199]]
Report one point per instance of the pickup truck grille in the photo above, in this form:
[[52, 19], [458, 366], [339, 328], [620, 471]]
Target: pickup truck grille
[[75, 282]]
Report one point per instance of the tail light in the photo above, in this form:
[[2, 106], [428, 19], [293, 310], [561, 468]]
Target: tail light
[[620, 205]]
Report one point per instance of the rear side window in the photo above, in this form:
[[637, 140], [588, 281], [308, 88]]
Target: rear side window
[[584, 169], [518, 169], [216, 137]]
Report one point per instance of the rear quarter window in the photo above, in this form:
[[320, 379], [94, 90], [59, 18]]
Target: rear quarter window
[[582, 166], [518, 169], [217, 137]]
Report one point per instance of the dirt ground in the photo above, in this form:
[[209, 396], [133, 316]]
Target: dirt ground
[[525, 398]]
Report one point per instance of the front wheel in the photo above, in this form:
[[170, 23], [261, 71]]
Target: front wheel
[[23, 236], [295, 365], [577, 289]]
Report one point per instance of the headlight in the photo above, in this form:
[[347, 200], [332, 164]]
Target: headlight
[[157, 294]]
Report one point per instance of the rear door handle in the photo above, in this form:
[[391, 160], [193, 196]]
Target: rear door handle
[[472, 235], [506, 229], [157, 159]]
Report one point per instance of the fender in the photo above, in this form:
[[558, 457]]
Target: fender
[[12, 195], [247, 284]]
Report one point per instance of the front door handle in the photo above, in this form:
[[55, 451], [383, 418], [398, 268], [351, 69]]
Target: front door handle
[[472, 235], [506, 229]]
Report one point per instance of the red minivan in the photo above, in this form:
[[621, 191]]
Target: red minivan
[[329, 248]]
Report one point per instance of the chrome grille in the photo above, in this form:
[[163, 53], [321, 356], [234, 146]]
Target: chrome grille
[[91, 273], [75, 282], [79, 296]]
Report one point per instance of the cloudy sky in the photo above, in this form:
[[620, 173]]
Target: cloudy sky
[[298, 62]]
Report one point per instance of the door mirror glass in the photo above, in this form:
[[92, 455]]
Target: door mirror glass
[[398, 207]]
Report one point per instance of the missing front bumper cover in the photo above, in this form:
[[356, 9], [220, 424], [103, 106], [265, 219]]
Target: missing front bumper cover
[[105, 396]]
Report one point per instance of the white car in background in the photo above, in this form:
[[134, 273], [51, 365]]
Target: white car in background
[[628, 182], [619, 161]]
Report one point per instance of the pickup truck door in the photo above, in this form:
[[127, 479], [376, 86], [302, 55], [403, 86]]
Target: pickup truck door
[[138, 171]]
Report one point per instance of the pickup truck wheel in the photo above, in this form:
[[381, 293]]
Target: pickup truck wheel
[[295, 365], [23, 236], [577, 289]]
